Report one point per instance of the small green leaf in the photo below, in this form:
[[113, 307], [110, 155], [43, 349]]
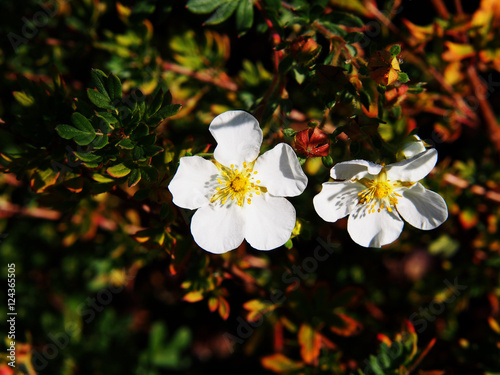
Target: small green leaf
[[140, 131], [83, 133], [374, 364], [126, 144], [138, 153], [114, 87], [135, 177], [149, 173], [100, 178], [346, 19], [152, 150], [23, 98], [168, 111], [88, 157], [155, 104], [327, 161], [354, 37], [289, 132], [99, 100], [100, 141], [244, 16], [98, 79], [119, 170], [403, 77], [203, 6], [395, 50], [222, 13]]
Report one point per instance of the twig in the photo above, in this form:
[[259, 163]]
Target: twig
[[221, 81], [475, 189], [441, 9], [486, 110]]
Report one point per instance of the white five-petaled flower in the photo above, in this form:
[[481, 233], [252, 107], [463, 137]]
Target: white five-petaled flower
[[239, 195], [377, 198]]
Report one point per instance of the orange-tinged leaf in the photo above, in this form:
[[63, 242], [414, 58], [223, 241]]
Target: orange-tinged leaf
[[193, 296], [468, 218], [431, 372], [40, 180], [280, 363], [310, 344], [257, 308], [383, 338], [351, 326], [213, 303], [494, 324], [457, 51], [224, 308]]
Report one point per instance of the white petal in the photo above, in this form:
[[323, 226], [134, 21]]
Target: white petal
[[337, 199], [414, 147], [354, 169], [422, 208], [218, 228], [269, 222], [193, 183], [413, 169], [374, 229], [238, 137], [280, 172]]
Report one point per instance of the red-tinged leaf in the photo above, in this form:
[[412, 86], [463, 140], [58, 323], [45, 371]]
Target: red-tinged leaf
[[280, 363], [310, 344], [457, 52], [431, 372], [74, 183], [224, 308], [349, 326], [383, 338], [193, 296], [468, 218], [327, 343], [346, 297], [409, 326], [41, 180], [494, 324], [257, 308], [213, 303]]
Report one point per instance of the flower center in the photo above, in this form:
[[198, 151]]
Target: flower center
[[379, 191], [238, 186]]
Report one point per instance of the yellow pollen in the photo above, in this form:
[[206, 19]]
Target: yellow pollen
[[237, 185], [380, 192]]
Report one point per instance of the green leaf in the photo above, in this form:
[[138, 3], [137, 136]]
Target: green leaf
[[88, 157], [222, 13], [138, 153], [23, 98], [168, 111], [126, 144], [155, 104], [403, 77], [83, 133], [114, 87], [100, 141], [376, 366], [98, 79], [140, 131], [99, 100], [244, 16], [395, 50], [346, 19], [135, 177], [354, 37], [100, 178], [203, 6], [118, 170], [107, 116], [149, 173], [289, 132], [152, 150]]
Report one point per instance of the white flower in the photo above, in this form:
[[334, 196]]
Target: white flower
[[412, 147], [378, 197], [239, 195]]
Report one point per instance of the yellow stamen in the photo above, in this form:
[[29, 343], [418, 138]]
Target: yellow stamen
[[237, 185]]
